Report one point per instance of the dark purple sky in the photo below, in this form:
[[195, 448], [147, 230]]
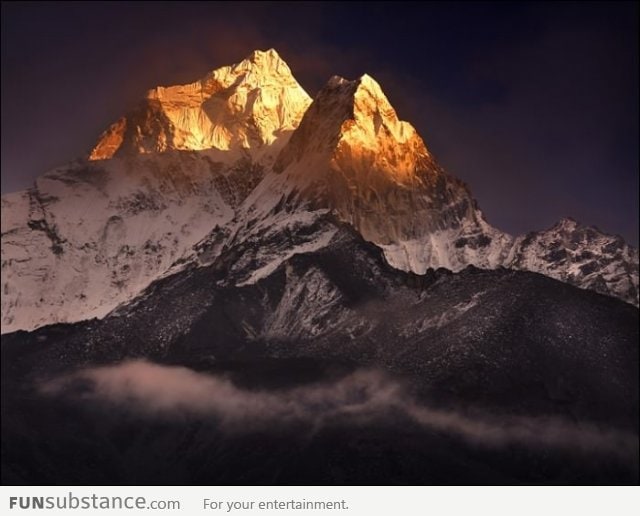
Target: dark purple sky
[[535, 106]]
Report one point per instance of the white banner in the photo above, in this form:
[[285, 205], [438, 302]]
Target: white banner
[[351, 501]]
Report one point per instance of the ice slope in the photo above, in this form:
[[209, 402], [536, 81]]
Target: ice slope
[[86, 238]]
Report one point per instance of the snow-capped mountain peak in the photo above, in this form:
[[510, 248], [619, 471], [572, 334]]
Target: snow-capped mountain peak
[[377, 138], [354, 125], [269, 174], [247, 106], [352, 155], [581, 255]]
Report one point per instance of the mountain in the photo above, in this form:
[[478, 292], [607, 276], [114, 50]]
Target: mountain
[[90, 235], [241, 285], [580, 255], [244, 159], [353, 156]]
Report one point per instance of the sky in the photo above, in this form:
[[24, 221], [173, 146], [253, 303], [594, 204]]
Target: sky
[[535, 106]]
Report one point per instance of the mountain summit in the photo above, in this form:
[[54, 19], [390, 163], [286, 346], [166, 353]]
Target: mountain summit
[[243, 163], [242, 106], [354, 121]]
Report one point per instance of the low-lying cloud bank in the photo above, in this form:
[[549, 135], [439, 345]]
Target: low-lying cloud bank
[[366, 395]]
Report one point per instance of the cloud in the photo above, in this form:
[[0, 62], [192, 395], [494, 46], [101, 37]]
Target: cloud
[[153, 389]]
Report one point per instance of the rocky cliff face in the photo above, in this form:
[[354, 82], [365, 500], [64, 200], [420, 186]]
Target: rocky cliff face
[[243, 160], [580, 255]]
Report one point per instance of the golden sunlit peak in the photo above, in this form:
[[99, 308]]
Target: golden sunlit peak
[[368, 80], [371, 85], [260, 54], [267, 60], [365, 82], [240, 106]]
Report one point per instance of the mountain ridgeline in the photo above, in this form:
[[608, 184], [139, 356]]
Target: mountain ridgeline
[[209, 159]]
